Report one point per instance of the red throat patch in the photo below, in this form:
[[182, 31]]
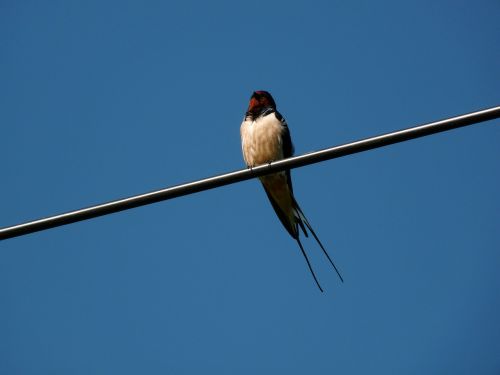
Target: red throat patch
[[254, 104]]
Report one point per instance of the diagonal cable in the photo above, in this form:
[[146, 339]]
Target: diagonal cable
[[246, 174]]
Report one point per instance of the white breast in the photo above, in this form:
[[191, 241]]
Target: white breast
[[261, 140]]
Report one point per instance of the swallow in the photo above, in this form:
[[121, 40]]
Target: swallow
[[265, 138]]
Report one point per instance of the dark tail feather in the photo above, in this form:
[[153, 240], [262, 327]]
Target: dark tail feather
[[308, 264], [303, 217], [301, 223]]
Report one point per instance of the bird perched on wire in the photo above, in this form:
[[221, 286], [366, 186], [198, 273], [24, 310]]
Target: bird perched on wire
[[265, 138]]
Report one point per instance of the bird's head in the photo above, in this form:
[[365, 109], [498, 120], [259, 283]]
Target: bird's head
[[259, 101]]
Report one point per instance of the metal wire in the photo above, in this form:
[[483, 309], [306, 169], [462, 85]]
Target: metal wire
[[246, 174]]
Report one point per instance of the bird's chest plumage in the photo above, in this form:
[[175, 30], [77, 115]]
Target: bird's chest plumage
[[261, 140]]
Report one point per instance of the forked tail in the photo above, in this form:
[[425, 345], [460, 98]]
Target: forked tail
[[301, 220], [309, 264]]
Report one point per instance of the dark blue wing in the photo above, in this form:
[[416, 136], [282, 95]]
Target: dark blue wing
[[288, 149]]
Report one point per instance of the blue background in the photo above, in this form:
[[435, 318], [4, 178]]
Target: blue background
[[102, 100]]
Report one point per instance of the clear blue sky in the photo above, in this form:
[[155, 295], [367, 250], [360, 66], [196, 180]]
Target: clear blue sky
[[101, 100]]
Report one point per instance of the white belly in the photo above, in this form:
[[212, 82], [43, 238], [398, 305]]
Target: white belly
[[261, 140]]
